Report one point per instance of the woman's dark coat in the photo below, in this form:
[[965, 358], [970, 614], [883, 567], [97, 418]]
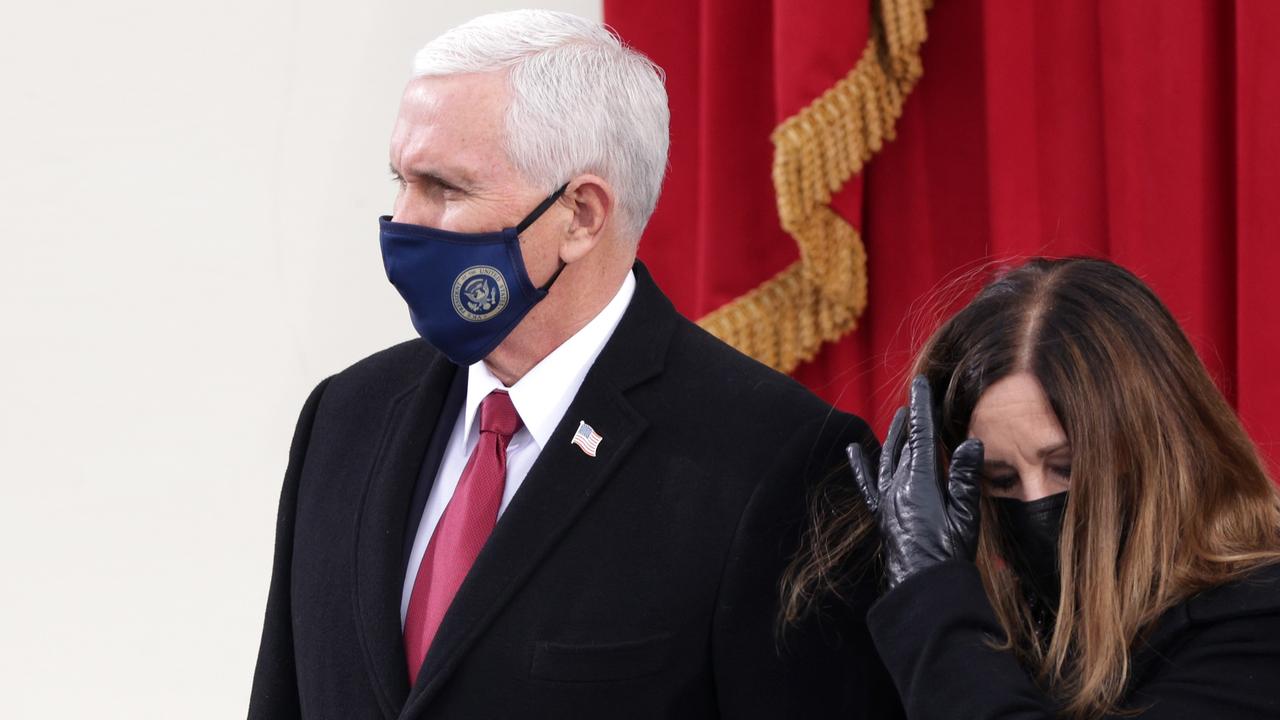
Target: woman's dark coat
[[1217, 655]]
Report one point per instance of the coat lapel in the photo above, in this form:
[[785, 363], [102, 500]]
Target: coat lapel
[[559, 487], [379, 571]]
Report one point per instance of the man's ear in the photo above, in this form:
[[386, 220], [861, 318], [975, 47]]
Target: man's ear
[[593, 204]]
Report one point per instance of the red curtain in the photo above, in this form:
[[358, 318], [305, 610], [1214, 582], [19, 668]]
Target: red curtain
[[1146, 131]]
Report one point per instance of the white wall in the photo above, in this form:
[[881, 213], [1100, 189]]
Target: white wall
[[188, 243]]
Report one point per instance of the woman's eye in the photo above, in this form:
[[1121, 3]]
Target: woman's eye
[[1062, 471], [1001, 482]]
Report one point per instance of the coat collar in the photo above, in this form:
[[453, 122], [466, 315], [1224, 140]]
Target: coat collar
[[559, 487]]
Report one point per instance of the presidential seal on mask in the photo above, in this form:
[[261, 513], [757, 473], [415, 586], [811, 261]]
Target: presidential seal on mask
[[485, 306]]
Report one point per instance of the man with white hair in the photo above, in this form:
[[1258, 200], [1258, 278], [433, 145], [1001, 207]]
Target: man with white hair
[[565, 500]]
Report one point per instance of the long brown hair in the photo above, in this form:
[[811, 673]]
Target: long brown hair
[[1168, 495]]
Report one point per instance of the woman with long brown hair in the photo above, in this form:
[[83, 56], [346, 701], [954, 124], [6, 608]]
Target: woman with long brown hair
[[1102, 539]]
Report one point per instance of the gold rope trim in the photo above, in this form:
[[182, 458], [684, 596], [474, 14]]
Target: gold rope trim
[[819, 298]]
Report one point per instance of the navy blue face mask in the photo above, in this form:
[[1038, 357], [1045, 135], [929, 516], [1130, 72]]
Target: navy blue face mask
[[466, 291]]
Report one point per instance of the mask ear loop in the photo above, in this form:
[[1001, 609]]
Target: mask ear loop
[[532, 217]]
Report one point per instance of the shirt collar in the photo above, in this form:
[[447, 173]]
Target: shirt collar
[[543, 395]]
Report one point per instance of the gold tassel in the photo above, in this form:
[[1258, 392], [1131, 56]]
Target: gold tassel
[[819, 298]]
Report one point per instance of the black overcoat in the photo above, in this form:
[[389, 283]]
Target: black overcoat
[[1214, 656], [641, 583]]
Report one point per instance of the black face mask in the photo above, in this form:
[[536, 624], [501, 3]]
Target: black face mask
[[1030, 533]]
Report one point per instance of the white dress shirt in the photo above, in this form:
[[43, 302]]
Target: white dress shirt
[[541, 398]]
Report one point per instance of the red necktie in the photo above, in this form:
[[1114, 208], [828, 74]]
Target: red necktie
[[462, 530]]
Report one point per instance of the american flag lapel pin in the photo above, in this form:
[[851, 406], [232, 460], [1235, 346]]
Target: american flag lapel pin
[[587, 439]]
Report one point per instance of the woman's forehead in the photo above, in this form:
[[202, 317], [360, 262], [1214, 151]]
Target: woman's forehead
[[1014, 416]]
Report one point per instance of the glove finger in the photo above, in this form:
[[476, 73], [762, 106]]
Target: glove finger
[[921, 436], [964, 486], [864, 478], [893, 444]]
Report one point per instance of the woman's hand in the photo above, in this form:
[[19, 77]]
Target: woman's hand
[[922, 523]]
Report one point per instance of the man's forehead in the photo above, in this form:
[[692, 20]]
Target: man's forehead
[[477, 94], [450, 126]]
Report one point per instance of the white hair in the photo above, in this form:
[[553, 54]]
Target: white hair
[[581, 101]]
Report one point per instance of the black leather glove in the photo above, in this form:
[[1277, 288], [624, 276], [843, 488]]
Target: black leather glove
[[921, 522]]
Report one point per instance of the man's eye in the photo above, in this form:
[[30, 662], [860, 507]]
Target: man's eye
[[444, 187]]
